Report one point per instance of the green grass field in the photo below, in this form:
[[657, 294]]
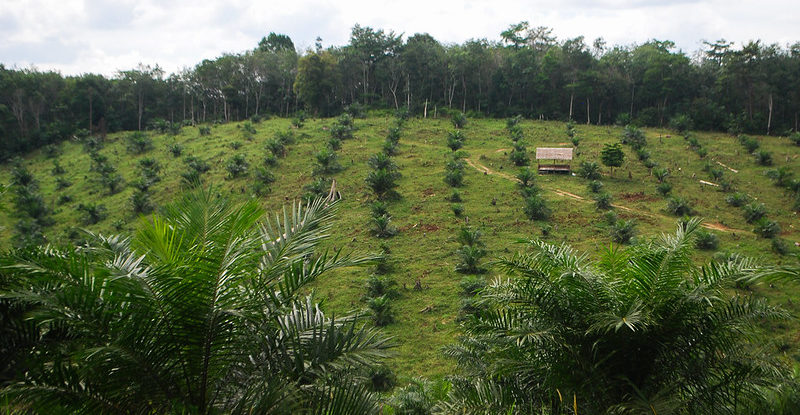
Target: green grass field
[[424, 248]]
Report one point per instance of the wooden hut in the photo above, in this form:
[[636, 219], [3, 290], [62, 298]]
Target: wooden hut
[[554, 160]]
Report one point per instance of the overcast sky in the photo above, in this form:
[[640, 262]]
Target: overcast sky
[[79, 36]]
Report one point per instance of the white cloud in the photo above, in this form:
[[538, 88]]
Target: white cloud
[[77, 36]]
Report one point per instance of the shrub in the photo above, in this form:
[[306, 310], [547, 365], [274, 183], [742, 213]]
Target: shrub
[[270, 160], [749, 143], [468, 235], [623, 230], [781, 176], [471, 285], [649, 163], [140, 201], [381, 379], [526, 177], [175, 149], [203, 130], [248, 128], [706, 241], [469, 258], [766, 228], [263, 179], [299, 119], [516, 133], [92, 213], [52, 150], [513, 121], [679, 206], [702, 152], [612, 156], [633, 137], [455, 140], [795, 138], [389, 147], [753, 212], [459, 120], [664, 188], [536, 208], [764, 158], [342, 131], [779, 246], [236, 145], [382, 182], [286, 137], [660, 174], [589, 170], [381, 311], [681, 123], [327, 163], [603, 201], [276, 147], [610, 217], [317, 188], [716, 173], [458, 209], [643, 154], [57, 168], [519, 155], [380, 286], [382, 227], [595, 186], [139, 142], [378, 208], [237, 166], [454, 178], [382, 161], [737, 199], [693, 142], [334, 143], [62, 183], [454, 197]]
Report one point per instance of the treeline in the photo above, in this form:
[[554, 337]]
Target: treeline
[[752, 88]]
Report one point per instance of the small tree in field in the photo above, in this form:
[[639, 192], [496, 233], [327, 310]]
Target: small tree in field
[[612, 156]]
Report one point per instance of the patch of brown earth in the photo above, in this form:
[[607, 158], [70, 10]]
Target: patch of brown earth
[[637, 197]]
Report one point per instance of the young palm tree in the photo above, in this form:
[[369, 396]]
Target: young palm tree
[[199, 312], [642, 330]]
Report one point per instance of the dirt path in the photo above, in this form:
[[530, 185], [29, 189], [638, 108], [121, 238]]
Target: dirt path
[[485, 170]]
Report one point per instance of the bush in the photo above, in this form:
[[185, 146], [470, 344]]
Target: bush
[[454, 178], [64, 199], [513, 121], [382, 227], [471, 285], [753, 212], [780, 247], [334, 143], [263, 179], [327, 163], [664, 188], [175, 149], [469, 258], [454, 197], [381, 379], [378, 208], [468, 235], [610, 217], [459, 120], [595, 186], [236, 145], [679, 206], [203, 130], [381, 311], [660, 174], [716, 173], [622, 231], [766, 228], [458, 209], [589, 170], [633, 137], [57, 168], [693, 142], [237, 166], [519, 155], [92, 213], [536, 208], [380, 286], [764, 158], [317, 188], [603, 201], [52, 150], [140, 201], [139, 142], [702, 152], [749, 143], [299, 119], [706, 241], [781, 176], [62, 183], [455, 140], [737, 199], [276, 147], [643, 154], [382, 182], [526, 177], [285, 137], [681, 123], [795, 138]]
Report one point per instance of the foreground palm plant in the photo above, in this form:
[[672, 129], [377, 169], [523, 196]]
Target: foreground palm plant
[[199, 312], [641, 330]]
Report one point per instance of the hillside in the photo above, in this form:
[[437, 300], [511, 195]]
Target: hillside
[[425, 247]]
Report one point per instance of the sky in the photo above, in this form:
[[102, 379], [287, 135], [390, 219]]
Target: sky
[[91, 36]]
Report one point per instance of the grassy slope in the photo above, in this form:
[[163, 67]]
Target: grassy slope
[[425, 248]]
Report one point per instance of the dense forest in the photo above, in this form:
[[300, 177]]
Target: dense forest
[[754, 87]]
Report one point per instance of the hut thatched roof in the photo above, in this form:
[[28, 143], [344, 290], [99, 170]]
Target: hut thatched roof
[[544, 153]]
